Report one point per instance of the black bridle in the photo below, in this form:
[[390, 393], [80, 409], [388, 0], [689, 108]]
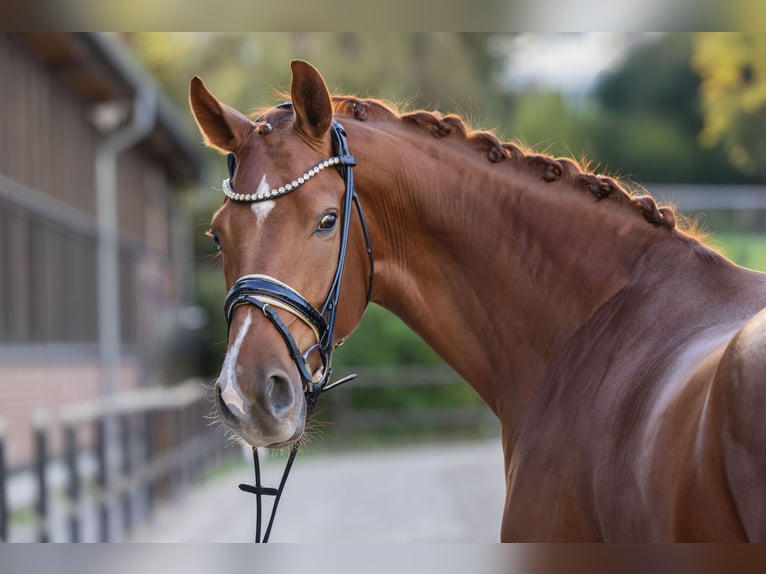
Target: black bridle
[[267, 293]]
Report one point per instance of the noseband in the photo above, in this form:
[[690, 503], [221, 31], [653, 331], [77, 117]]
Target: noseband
[[268, 294]]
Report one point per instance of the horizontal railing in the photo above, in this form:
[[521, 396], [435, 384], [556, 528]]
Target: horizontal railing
[[115, 461], [385, 401]]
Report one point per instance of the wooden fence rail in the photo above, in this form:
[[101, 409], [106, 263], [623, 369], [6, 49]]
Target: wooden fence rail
[[116, 460], [408, 406]]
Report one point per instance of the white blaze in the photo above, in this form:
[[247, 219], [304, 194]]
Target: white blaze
[[262, 208], [229, 389]]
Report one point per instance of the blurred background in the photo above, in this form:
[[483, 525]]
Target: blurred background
[[111, 326]]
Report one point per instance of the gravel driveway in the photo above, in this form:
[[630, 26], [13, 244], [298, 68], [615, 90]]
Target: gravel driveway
[[435, 493]]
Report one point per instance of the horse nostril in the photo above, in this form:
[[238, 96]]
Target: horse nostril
[[223, 408], [279, 393]]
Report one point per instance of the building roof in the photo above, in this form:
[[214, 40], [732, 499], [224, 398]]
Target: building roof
[[99, 69]]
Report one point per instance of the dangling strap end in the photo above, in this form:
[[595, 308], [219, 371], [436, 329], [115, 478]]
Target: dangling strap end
[[264, 490], [339, 382]]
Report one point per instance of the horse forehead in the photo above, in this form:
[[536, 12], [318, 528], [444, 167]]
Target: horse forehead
[[278, 149], [262, 175], [262, 209]]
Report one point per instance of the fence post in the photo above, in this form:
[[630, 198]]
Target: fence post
[[3, 480], [74, 486], [41, 423], [186, 440], [127, 471], [178, 435], [102, 479], [149, 450], [168, 489]]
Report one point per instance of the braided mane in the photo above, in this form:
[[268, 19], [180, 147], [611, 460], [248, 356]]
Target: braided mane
[[549, 169]]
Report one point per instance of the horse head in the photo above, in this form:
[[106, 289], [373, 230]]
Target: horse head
[[282, 239]]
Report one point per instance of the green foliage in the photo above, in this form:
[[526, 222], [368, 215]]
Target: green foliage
[[434, 70], [211, 293], [416, 398], [643, 120], [656, 80], [653, 102], [655, 150], [544, 121], [733, 71], [383, 339], [746, 249]]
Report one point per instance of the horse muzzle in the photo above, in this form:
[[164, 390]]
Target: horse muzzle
[[273, 416]]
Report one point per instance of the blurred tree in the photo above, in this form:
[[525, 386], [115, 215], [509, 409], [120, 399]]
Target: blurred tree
[[642, 120], [545, 121], [384, 339], [733, 91], [651, 117], [657, 79], [434, 70]]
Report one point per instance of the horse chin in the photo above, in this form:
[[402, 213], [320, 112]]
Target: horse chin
[[289, 442], [274, 438]]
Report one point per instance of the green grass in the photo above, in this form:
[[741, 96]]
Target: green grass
[[746, 249]]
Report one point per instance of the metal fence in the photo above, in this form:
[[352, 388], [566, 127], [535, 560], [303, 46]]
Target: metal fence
[[113, 462]]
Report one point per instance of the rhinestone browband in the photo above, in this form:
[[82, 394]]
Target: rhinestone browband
[[229, 192]]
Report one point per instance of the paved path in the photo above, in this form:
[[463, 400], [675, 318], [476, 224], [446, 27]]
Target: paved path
[[421, 493]]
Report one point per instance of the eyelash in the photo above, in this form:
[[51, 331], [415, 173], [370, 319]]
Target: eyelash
[[212, 233]]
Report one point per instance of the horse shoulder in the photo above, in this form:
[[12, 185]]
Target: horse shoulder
[[741, 381]]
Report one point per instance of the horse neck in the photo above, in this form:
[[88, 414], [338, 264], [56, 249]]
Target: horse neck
[[492, 266]]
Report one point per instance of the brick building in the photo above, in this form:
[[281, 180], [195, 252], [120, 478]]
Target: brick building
[[93, 250]]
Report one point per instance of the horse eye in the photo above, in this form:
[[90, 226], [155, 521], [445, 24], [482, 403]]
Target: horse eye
[[213, 234], [328, 222]]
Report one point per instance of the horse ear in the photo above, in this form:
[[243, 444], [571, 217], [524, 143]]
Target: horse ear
[[311, 100], [222, 126]]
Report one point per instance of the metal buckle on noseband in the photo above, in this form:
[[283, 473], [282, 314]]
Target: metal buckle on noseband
[[262, 291]]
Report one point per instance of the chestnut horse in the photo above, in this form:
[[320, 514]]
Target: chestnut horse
[[625, 360]]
